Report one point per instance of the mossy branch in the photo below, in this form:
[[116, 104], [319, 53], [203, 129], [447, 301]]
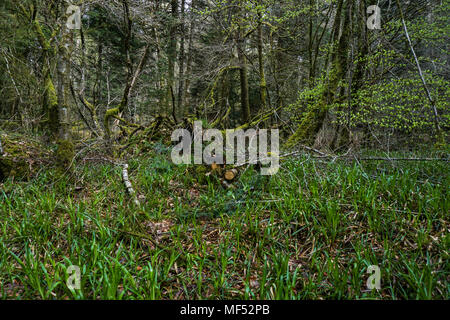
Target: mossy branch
[[221, 119], [108, 115]]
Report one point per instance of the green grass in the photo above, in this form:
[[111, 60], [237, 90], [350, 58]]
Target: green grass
[[309, 232]]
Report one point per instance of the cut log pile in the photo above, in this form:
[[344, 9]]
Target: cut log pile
[[226, 175]]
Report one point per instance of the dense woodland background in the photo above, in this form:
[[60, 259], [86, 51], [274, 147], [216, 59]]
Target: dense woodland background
[[311, 68], [363, 115]]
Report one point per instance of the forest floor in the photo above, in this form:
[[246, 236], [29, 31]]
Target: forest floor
[[309, 232]]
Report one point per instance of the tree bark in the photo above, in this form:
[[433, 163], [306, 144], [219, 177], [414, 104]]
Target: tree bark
[[181, 60], [172, 54], [314, 127], [262, 85], [245, 102], [190, 56]]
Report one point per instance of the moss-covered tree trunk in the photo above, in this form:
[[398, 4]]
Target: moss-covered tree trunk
[[243, 71], [51, 108], [181, 60], [245, 101], [316, 124], [190, 56], [333, 134], [172, 55], [262, 76], [65, 150], [54, 100], [50, 101]]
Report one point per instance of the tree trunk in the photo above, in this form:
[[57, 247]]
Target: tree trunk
[[245, 102], [190, 56], [181, 61], [172, 54], [262, 85], [315, 126]]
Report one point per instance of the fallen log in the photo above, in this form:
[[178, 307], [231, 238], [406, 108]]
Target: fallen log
[[128, 185]]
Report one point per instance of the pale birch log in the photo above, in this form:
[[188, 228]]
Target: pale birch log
[[128, 185]]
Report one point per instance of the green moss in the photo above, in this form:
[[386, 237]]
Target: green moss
[[200, 174], [110, 113], [65, 153], [41, 37], [51, 107], [13, 161], [309, 126], [441, 141], [9, 126]]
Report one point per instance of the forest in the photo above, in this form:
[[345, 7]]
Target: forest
[[338, 110]]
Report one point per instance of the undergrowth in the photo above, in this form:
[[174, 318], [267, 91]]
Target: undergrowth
[[309, 232]]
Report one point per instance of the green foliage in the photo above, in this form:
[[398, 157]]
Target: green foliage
[[432, 29], [401, 104], [64, 153], [309, 232], [14, 161], [51, 107], [108, 115]]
